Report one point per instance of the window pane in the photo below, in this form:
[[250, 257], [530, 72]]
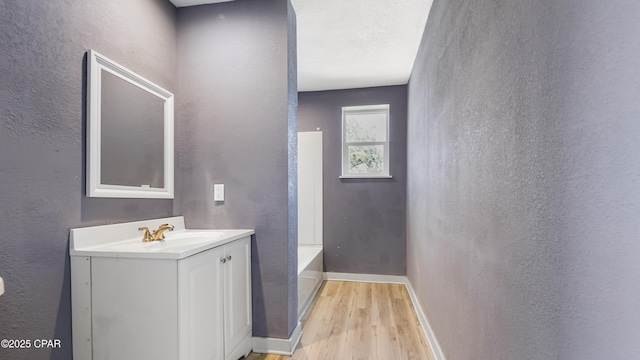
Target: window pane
[[366, 127], [367, 159]]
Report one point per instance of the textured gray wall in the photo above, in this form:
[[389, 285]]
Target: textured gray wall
[[42, 79], [596, 77], [292, 141], [523, 194], [364, 219], [483, 251], [236, 127]]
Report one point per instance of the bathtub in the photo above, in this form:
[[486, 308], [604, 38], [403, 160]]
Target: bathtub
[[309, 275]]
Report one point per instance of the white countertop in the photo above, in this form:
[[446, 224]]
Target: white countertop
[[124, 240]]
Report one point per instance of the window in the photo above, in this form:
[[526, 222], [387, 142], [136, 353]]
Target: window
[[365, 141]]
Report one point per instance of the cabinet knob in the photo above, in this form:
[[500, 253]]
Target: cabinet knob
[[223, 260], [229, 257]]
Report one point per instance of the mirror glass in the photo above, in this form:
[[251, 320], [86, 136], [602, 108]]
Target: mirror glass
[[130, 128]]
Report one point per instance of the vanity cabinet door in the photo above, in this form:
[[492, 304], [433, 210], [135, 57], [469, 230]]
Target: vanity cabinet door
[[237, 302], [200, 306]]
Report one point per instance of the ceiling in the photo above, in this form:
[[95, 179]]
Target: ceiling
[[344, 44]]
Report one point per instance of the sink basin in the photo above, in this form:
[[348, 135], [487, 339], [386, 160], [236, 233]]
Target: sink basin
[[172, 242], [192, 236]]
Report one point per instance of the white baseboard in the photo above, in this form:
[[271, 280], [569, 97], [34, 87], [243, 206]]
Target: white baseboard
[[278, 346], [424, 322], [395, 279], [373, 278]]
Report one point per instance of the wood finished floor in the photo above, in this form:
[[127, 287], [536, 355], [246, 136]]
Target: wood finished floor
[[350, 320]]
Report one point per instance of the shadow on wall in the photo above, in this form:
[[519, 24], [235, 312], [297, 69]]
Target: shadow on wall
[[257, 293], [63, 317]]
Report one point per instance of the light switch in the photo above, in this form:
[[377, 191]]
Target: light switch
[[1, 286], [218, 192]]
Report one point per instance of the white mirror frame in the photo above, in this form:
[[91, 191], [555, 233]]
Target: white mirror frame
[[95, 64]]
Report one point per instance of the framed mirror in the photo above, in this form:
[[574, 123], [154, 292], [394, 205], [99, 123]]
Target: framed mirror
[[129, 133]]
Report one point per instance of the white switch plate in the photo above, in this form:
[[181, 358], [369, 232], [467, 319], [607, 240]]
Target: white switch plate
[[218, 192]]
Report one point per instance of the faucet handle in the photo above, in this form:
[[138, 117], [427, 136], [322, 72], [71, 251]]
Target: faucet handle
[[166, 227], [147, 234]]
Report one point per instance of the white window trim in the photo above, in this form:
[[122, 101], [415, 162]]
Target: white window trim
[[345, 145]]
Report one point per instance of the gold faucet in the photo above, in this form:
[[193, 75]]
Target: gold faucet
[[157, 234], [147, 235]]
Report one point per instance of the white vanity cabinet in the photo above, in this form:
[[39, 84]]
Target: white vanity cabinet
[[201, 306], [237, 299], [168, 301], [214, 303]]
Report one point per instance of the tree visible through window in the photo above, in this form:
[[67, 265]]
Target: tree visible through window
[[365, 141]]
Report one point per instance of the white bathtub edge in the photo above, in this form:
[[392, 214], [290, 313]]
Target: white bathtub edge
[[318, 250], [310, 275], [309, 301]]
